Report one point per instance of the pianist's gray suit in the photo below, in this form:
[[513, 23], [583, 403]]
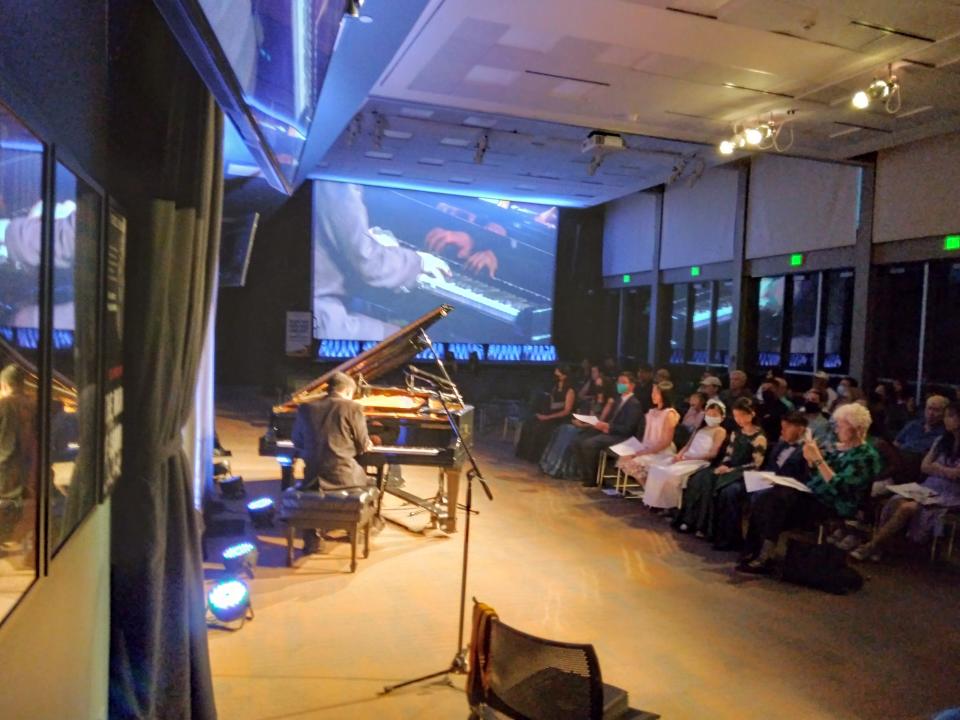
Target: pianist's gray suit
[[330, 433], [345, 254]]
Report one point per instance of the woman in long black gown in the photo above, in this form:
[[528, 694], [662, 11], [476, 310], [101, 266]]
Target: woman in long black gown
[[535, 433]]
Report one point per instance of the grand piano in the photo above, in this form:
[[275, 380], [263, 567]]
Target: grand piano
[[409, 421]]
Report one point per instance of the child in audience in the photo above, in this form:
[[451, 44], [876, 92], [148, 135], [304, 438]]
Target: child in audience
[[665, 479], [745, 451], [941, 465], [661, 422]]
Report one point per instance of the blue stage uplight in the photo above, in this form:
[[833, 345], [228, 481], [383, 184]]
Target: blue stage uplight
[[240, 558], [261, 512], [229, 600], [285, 460]]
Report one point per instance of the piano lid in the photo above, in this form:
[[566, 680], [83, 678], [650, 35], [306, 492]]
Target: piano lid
[[396, 350]]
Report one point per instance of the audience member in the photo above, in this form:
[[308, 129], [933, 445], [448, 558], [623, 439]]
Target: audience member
[[622, 424], [644, 386], [817, 420], [693, 417], [559, 459], [590, 385], [821, 382], [770, 410], [941, 465], [665, 479], [745, 451], [536, 431], [710, 386], [917, 437], [845, 392], [837, 483], [661, 375], [658, 432], [738, 388]]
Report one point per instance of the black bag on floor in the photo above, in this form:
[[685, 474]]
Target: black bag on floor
[[823, 567]]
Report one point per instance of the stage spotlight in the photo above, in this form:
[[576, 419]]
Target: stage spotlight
[[886, 90], [231, 487], [727, 147], [261, 512], [240, 558], [352, 8], [753, 136], [229, 601]]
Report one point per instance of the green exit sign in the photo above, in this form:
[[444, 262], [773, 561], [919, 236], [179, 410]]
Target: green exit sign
[[695, 271], [796, 260], [626, 279], [951, 242]]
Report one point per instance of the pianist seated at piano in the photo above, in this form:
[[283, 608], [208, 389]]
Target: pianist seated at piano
[[536, 431], [329, 434]]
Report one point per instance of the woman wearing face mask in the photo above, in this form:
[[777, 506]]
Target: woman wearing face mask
[[535, 433], [942, 468], [665, 480], [745, 451]]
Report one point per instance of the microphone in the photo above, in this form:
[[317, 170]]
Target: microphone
[[435, 379]]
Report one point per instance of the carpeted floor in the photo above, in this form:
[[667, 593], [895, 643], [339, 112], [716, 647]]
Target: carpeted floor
[[671, 621]]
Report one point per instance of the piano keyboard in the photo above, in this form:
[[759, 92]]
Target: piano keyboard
[[404, 450], [486, 298]]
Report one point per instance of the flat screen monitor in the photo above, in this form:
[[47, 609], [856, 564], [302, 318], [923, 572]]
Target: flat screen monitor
[[384, 256]]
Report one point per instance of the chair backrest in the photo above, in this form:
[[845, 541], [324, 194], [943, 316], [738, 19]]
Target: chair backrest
[[535, 679]]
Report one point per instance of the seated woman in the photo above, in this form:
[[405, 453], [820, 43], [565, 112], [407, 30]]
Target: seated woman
[[589, 389], [838, 481], [665, 479], [941, 465], [660, 422], [535, 433], [745, 451], [559, 459]]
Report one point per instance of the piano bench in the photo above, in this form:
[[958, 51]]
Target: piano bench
[[351, 510]]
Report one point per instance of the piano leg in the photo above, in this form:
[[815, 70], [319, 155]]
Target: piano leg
[[453, 495]]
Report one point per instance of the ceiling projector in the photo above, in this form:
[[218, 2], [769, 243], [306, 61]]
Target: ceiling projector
[[598, 140]]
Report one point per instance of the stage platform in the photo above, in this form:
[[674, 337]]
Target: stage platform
[[673, 624]]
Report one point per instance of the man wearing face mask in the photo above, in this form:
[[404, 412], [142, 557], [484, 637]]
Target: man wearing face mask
[[623, 423]]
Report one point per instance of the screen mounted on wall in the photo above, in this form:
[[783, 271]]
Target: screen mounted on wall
[[383, 256]]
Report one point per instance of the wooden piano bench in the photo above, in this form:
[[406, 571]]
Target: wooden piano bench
[[352, 510]]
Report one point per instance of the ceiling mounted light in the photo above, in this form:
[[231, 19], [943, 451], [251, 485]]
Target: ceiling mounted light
[[352, 8], [886, 90], [753, 136], [727, 147]]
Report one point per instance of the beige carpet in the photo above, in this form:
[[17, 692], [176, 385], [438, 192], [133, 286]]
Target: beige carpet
[[671, 621]]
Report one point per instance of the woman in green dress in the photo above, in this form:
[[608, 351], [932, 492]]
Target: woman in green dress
[[745, 451]]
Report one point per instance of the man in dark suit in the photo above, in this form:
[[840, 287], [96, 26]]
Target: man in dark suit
[[784, 458], [623, 423], [329, 434]]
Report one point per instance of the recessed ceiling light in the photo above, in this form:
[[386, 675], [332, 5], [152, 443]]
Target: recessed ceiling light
[[379, 155], [481, 122], [460, 180], [454, 142], [390, 172], [430, 161], [397, 134]]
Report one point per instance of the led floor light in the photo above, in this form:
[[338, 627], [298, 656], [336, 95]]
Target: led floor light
[[240, 558], [228, 604], [262, 511]]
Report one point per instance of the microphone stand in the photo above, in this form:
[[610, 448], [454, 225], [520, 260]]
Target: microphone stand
[[458, 665]]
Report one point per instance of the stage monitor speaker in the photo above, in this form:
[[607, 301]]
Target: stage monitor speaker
[[236, 244]]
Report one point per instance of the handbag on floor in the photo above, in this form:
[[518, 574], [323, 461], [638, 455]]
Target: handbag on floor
[[823, 567]]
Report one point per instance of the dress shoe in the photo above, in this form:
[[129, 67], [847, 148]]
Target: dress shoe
[[756, 567]]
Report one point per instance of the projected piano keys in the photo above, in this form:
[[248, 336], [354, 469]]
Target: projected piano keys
[[478, 295]]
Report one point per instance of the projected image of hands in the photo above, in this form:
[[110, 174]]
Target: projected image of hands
[[383, 257]]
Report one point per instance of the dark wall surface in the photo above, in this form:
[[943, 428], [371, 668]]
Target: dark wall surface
[[251, 321], [578, 297]]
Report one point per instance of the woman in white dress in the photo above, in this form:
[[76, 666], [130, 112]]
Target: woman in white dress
[[665, 479]]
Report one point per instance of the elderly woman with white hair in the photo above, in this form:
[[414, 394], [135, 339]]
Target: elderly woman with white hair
[[839, 480]]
